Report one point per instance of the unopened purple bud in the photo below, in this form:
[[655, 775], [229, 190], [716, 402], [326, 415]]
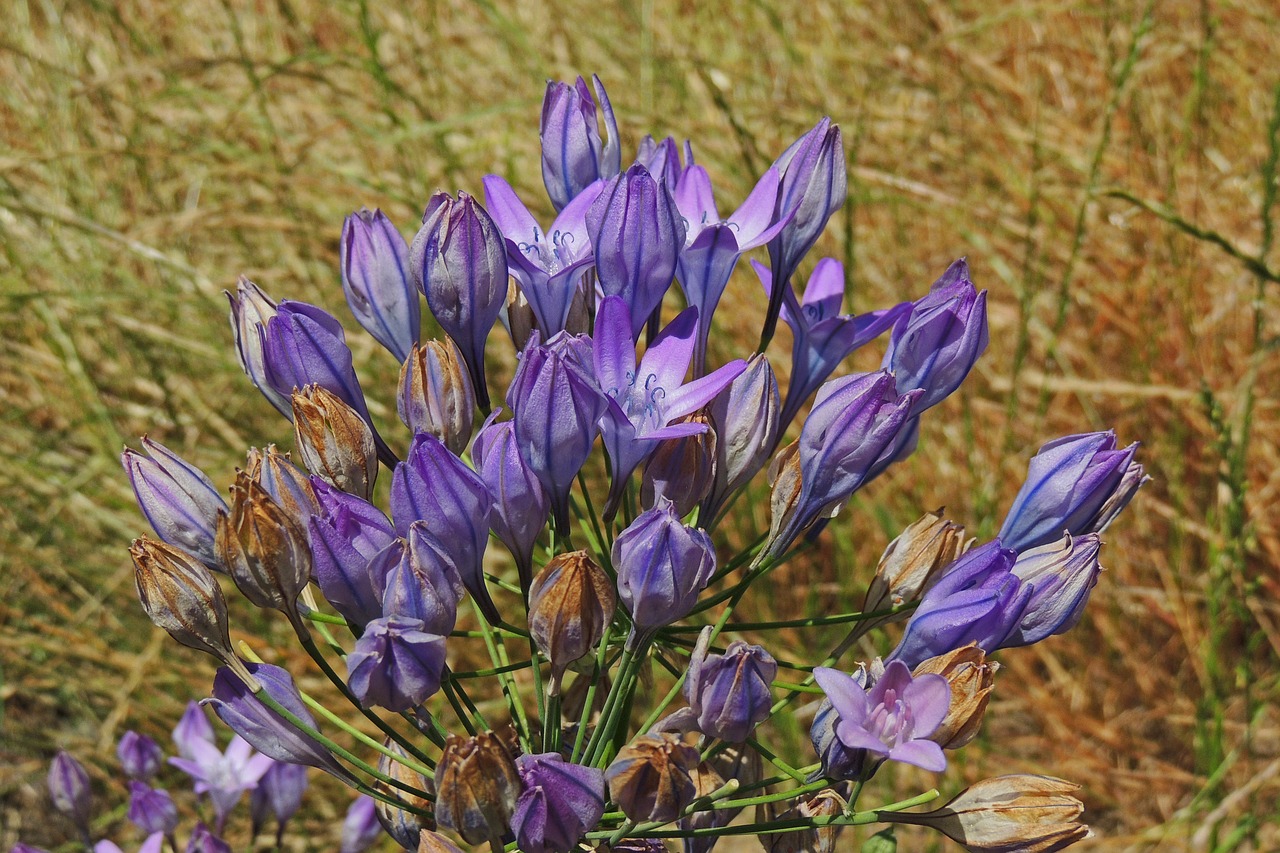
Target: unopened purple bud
[[729, 694], [140, 756], [396, 664], [574, 155], [436, 394], [935, 345], [559, 803], [459, 261], [1077, 484], [204, 841], [360, 827], [251, 309], [745, 418], [347, 535], [305, 345], [662, 566], [520, 503], [279, 795], [1060, 575], [375, 277], [151, 809], [434, 486], [179, 501], [637, 234], [663, 159], [69, 789], [193, 728], [424, 584]]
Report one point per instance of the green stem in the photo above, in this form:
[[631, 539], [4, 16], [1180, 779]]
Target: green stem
[[580, 740], [498, 654], [373, 744]]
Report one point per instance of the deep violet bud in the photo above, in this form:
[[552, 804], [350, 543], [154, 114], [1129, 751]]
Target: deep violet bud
[[935, 345], [347, 536], [333, 441], [574, 155], [459, 261], [360, 827], [424, 584], [682, 469], [140, 756], [663, 159], [728, 694], [637, 233], [179, 501], [651, 777], [436, 394], [745, 419], [571, 604], [893, 719], [557, 407], [251, 309], [814, 186], [69, 789], [204, 841], [662, 566], [265, 729], [434, 486], [559, 803], [305, 345], [476, 787], [375, 278], [977, 599], [396, 664], [520, 503], [1077, 484], [1060, 575], [151, 809], [278, 795]]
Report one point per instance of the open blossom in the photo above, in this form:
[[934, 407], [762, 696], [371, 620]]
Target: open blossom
[[223, 775]]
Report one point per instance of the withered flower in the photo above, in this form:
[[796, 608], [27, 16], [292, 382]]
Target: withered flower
[[264, 549], [436, 394], [477, 784], [571, 604], [651, 779], [334, 441], [971, 677], [913, 560], [404, 826], [818, 839]]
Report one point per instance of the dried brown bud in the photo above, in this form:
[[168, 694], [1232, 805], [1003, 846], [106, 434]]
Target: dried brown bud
[[404, 826], [582, 308], [284, 481], [913, 560], [520, 318], [571, 604], [819, 839], [651, 777], [784, 476], [434, 842], [183, 597], [264, 549], [477, 784], [334, 442], [970, 676], [1030, 814], [436, 396], [682, 470], [706, 781]]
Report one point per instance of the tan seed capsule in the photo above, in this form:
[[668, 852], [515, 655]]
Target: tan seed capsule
[[477, 784], [334, 442], [571, 604], [911, 562], [971, 678], [683, 470], [434, 842], [651, 779], [402, 825], [264, 549], [436, 396], [820, 839], [784, 475]]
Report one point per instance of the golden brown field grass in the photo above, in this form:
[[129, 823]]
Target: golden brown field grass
[[1103, 166]]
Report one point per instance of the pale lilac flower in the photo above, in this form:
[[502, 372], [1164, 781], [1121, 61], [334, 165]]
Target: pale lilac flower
[[178, 499], [224, 776]]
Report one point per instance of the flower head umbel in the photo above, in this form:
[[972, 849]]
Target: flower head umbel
[[893, 719], [573, 154]]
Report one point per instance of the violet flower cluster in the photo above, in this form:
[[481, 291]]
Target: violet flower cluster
[[527, 590]]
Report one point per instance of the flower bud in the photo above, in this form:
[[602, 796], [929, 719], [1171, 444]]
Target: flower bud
[[140, 756], [287, 484], [402, 825], [971, 677], [912, 561], [1035, 814], [434, 842], [181, 596], [683, 469], [251, 310], [360, 827], [151, 809], [264, 549], [179, 501], [203, 840], [745, 419], [818, 839], [348, 535], [559, 803], [477, 786], [571, 604], [373, 256], [573, 154], [424, 583], [520, 503], [436, 394], [651, 777], [1061, 575], [279, 795], [728, 694], [334, 442], [396, 664], [69, 789]]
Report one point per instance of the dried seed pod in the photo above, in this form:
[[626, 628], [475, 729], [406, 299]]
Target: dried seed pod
[[477, 784], [821, 839], [264, 549], [287, 483], [436, 394], [571, 604], [913, 560], [404, 826], [971, 677], [683, 470], [651, 777], [334, 441]]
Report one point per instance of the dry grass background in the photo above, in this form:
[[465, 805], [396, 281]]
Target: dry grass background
[[152, 151]]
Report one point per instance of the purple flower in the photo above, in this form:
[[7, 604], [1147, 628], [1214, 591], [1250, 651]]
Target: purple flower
[[662, 159], [547, 264], [728, 694], [251, 309], [434, 486], [459, 261], [396, 664], [1077, 484], [347, 536], [559, 803], [822, 337], [894, 718], [557, 406], [262, 727], [814, 185], [192, 728], [520, 503], [936, 343], [644, 399], [360, 827], [1060, 575], [375, 277], [573, 154], [151, 809], [713, 245], [140, 756], [424, 584], [204, 841], [637, 234], [977, 599], [69, 789], [224, 776], [279, 795], [662, 566], [179, 500]]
